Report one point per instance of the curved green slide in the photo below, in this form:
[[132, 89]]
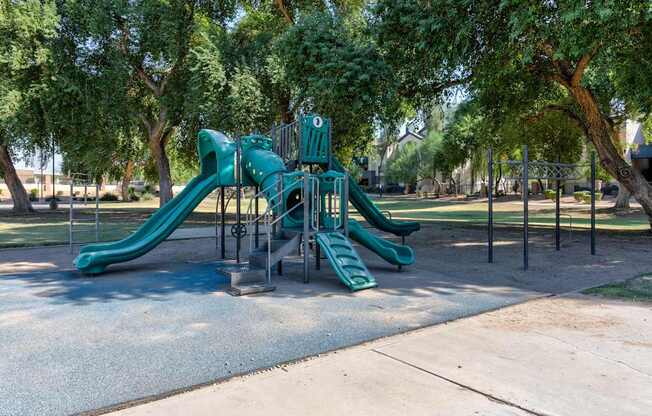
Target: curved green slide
[[94, 258], [396, 254], [370, 211]]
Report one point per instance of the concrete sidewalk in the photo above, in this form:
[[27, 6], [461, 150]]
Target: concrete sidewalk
[[557, 356]]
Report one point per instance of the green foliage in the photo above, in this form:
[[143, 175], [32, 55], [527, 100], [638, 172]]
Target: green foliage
[[402, 166], [108, 197], [27, 31], [336, 70], [146, 196], [550, 194], [33, 194], [585, 196]]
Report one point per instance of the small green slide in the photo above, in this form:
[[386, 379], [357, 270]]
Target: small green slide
[[370, 211], [396, 254], [345, 261]]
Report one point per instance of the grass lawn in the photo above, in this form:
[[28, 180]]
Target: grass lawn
[[118, 219], [510, 212], [636, 289]]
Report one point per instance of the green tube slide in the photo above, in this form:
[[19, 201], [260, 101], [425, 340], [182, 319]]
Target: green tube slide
[[396, 254], [370, 211]]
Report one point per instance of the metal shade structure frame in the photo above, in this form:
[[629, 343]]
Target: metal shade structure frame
[[526, 170]]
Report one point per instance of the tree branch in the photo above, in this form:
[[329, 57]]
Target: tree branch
[[283, 9], [582, 64], [564, 110], [123, 45]]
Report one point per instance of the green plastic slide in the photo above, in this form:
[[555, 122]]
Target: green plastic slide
[[212, 147], [345, 261], [396, 254], [370, 211], [94, 258]]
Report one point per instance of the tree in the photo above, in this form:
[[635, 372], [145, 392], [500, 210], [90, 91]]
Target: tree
[[337, 70], [150, 42], [513, 54], [26, 31], [401, 167]]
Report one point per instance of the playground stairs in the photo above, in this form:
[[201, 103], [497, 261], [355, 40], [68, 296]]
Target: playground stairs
[[249, 278], [281, 246]]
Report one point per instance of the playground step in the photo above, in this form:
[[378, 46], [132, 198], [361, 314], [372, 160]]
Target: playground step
[[345, 261], [279, 248], [245, 279]]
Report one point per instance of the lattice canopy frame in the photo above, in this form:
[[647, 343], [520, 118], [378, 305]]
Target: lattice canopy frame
[[541, 170]]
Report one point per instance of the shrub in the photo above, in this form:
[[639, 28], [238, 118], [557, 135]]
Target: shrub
[[585, 196], [59, 193], [108, 197], [146, 196], [33, 194], [551, 194], [578, 195]]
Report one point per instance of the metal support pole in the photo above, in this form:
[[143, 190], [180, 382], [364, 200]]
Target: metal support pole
[[238, 220], [70, 216], [257, 220], [345, 205], [592, 203], [217, 228], [97, 212], [222, 225], [306, 231], [525, 208], [317, 257], [557, 213], [490, 202]]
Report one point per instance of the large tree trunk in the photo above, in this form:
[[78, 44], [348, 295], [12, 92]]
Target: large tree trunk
[[622, 200], [600, 133], [157, 147], [16, 188], [126, 180]]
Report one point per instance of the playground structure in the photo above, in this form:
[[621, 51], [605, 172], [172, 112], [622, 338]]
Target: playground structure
[[307, 191], [524, 170], [79, 225]]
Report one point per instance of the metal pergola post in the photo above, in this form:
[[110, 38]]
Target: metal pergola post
[[557, 212], [490, 231], [256, 190], [593, 203], [306, 231], [97, 212], [238, 201], [222, 225], [525, 188]]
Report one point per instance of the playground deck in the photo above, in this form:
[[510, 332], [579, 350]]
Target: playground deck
[[164, 323]]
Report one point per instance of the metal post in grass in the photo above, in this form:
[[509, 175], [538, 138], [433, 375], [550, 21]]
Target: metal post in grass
[[70, 225], [306, 230], [490, 224], [256, 189], [97, 212], [557, 209], [345, 205], [238, 185], [217, 226], [525, 207], [593, 203], [222, 224]]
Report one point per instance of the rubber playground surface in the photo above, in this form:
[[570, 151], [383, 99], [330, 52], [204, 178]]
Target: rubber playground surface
[[164, 323]]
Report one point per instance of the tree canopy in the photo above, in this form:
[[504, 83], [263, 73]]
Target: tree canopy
[[585, 60]]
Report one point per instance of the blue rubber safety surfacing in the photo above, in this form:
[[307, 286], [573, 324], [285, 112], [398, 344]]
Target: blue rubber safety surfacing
[[70, 344]]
